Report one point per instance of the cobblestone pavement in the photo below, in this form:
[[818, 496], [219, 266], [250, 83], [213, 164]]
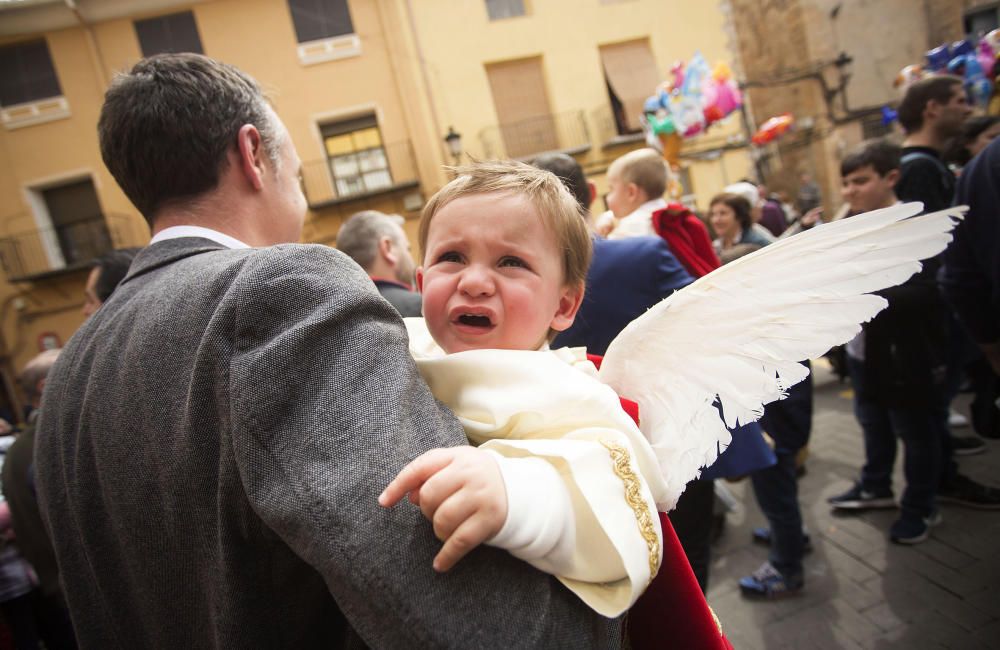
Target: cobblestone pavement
[[861, 590]]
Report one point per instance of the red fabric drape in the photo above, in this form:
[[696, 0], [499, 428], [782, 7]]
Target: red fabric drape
[[687, 238]]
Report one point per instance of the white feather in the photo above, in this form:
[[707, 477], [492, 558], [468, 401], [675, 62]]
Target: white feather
[[737, 335]]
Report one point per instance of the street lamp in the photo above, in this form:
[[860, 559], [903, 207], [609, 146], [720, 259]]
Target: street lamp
[[454, 142]]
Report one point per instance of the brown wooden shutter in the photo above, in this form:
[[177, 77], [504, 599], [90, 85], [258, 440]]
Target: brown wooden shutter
[[631, 71], [522, 106]]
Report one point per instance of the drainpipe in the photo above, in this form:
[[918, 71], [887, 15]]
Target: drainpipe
[[423, 73], [96, 59]]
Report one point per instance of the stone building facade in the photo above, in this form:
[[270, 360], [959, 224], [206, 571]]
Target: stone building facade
[[790, 59]]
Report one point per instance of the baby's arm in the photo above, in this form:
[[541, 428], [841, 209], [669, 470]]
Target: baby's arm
[[461, 491], [473, 496]]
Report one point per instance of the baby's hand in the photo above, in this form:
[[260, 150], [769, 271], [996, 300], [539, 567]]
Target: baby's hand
[[461, 491]]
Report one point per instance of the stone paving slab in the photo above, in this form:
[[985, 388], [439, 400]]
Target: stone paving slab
[[863, 592]]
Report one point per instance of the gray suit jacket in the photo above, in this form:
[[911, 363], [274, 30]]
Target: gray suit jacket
[[211, 446]]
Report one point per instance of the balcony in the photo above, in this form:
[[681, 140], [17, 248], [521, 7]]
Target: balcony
[[612, 129], [37, 254], [341, 179], [565, 132]]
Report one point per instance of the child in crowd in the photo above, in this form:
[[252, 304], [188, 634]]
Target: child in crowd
[[636, 183], [897, 367], [505, 255]]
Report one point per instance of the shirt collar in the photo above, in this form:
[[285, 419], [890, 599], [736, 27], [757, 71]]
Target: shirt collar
[[652, 206], [377, 279], [176, 232]]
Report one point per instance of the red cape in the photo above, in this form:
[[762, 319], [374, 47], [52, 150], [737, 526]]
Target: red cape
[[687, 238], [672, 612]]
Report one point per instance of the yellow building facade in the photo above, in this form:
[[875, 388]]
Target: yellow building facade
[[367, 89], [519, 77]]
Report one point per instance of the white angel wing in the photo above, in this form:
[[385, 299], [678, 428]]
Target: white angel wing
[[738, 333]]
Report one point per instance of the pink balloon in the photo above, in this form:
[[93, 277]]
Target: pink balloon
[[729, 98], [710, 93], [986, 57]]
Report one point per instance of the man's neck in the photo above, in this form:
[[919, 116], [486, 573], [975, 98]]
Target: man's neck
[[926, 137], [162, 223], [225, 216]]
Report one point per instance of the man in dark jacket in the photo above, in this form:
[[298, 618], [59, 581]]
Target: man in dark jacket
[[931, 112], [971, 278], [376, 241]]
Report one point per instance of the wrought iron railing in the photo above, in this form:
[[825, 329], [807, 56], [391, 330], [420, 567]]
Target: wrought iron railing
[[526, 138], [611, 128], [27, 254], [360, 174]]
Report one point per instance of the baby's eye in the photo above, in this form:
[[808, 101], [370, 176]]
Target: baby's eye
[[513, 261], [449, 256]]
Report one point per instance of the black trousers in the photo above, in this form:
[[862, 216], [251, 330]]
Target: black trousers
[[692, 521]]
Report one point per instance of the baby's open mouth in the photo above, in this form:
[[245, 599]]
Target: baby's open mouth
[[475, 320]]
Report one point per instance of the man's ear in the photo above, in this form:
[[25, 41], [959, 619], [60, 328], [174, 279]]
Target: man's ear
[[251, 153], [385, 250], [569, 304], [593, 192], [893, 176], [932, 108], [419, 278]]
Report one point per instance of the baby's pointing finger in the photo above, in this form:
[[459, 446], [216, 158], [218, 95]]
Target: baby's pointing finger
[[414, 475]]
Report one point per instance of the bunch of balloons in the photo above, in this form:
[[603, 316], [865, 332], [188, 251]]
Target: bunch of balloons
[[694, 98], [975, 62]]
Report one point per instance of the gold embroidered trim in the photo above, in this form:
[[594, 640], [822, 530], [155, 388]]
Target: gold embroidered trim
[[715, 618], [622, 466]]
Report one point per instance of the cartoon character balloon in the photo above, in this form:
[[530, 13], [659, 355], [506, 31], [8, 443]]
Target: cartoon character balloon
[[909, 75], [772, 129]]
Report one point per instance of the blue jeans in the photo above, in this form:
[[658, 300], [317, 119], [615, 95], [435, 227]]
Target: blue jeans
[[920, 430], [788, 422], [777, 493]]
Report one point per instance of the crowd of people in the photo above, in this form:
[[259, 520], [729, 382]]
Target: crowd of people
[[223, 446]]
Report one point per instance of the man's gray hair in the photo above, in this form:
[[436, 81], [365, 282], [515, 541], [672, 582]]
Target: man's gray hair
[[358, 237], [36, 370]]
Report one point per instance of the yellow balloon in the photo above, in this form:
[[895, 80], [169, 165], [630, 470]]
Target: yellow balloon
[[721, 71]]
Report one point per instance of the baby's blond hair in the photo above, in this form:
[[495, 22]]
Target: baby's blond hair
[[645, 168], [559, 211]]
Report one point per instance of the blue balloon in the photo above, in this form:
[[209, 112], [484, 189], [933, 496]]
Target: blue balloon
[[651, 105], [961, 48], [938, 58], [973, 70], [981, 90], [957, 65], [888, 116]]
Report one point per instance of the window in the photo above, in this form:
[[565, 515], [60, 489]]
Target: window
[[631, 75], [500, 9], [79, 232], [27, 74], [172, 33], [527, 125], [982, 21], [319, 19], [356, 156]]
